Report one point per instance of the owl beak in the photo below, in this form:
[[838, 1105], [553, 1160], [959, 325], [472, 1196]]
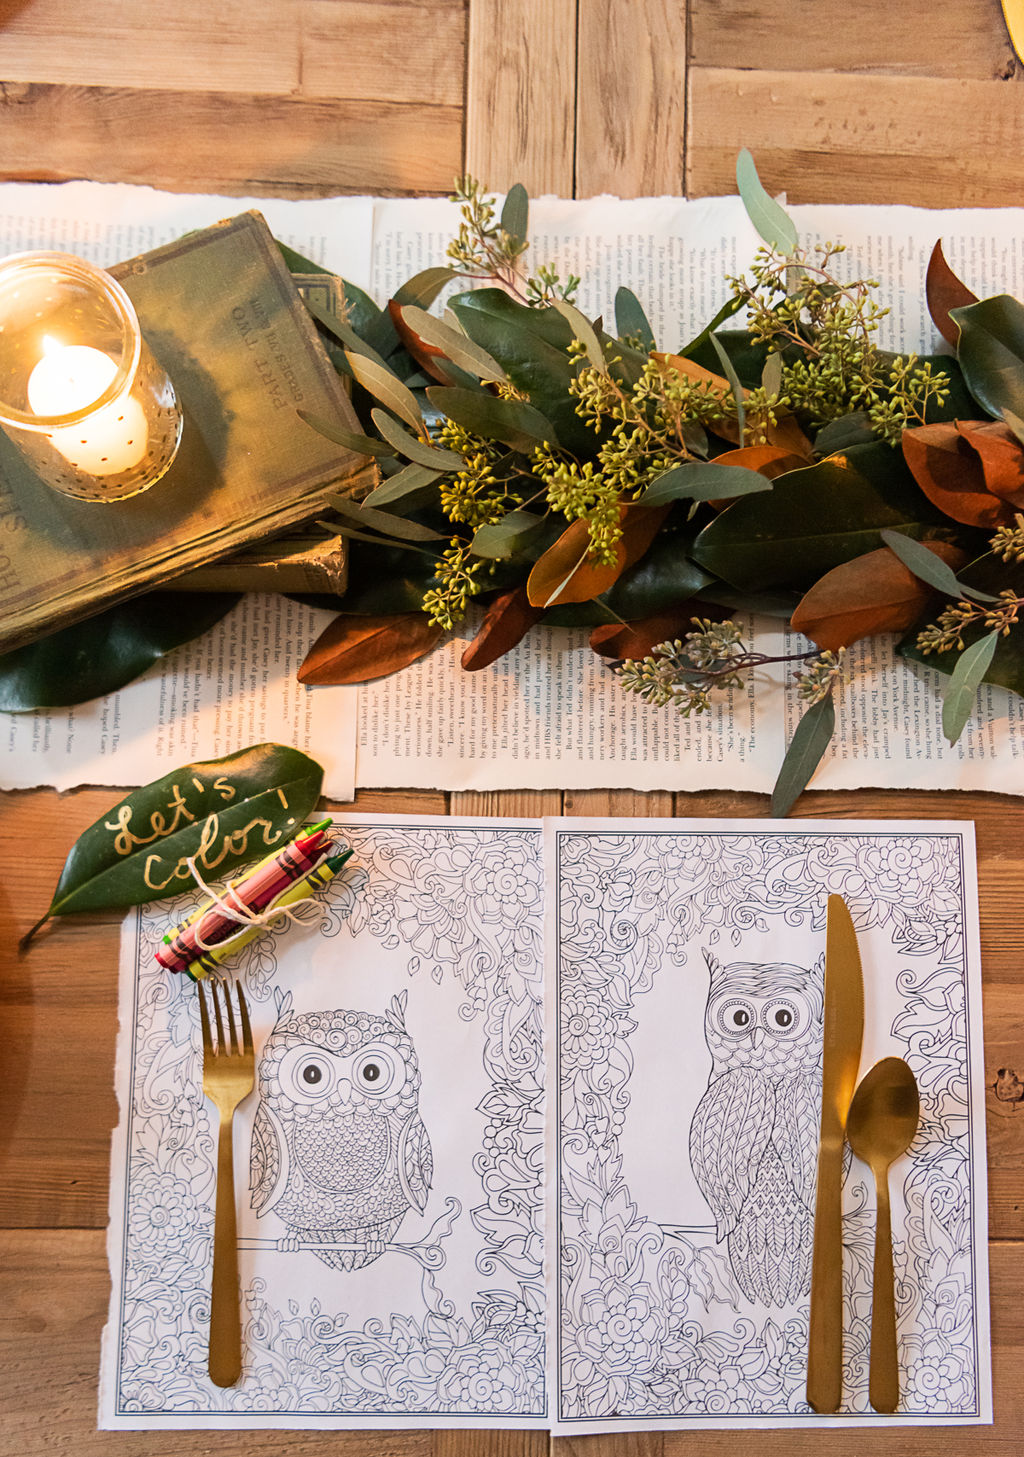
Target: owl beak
[[757, 1037]]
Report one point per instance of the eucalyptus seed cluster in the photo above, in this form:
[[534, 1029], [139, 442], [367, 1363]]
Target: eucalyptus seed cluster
[[480, 492], [824, 330], [955, 619], [821, 675], [460, 575], [1008, 541], [482, 249]]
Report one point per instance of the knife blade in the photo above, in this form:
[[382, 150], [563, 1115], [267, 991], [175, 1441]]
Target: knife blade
[[843, 1032], [1013, 15]]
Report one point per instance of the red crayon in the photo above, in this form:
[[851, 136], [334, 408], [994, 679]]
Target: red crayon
[[256, 891]]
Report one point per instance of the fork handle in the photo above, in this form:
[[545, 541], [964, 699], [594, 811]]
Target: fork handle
[[225, 1364]]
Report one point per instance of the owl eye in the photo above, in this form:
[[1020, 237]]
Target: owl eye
[[376, 1071], [781, 1018], [307, 1075], [735, 1018]]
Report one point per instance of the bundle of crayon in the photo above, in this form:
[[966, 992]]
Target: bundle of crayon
[[288, 875]]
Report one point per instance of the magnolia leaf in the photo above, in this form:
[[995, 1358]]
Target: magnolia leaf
[[565, 572], [385, 522], [873, 593], [504, 538], [944, 291], [810, 521], [767, 460], [348, 439], [933, 566], [770, 219], [991, 352], [583, 330], [962, 689], [102, 654], [511, 422], [402, 443], [734, 384], [508, 620], [950, 474], [222, 812], [359, 649], [806, 750], [1001, 456], [630, 320], [704, 481], [409, 488], [388, 388], [638, 639], [515, 213], [453, 344]]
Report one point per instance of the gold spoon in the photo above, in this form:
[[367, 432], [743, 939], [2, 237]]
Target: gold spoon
[[880, 1127]]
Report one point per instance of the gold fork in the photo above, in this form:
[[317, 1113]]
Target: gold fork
[[228, 1076]]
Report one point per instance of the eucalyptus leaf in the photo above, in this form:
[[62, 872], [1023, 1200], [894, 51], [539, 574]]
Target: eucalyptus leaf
[[965, 680], [991, 352], [385, 522], [348, 439], [515, 213], [770, 219], [810, 739], [699, 341], [512, 422], [102, 654], [703, 481], [930, 568], [343, 332], [771, 375], [385, 386], [431, 456], [630, 320], [507, 537], [457, 346], [729, 370], [1014, 423], [410, 488], [839, 435], [222, 812], [423, 288], [583, 330]]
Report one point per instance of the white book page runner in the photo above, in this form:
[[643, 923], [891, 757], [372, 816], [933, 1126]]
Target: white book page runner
[[508, 1224]]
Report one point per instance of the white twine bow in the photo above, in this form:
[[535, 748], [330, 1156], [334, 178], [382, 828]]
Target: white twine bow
[[244, 916]]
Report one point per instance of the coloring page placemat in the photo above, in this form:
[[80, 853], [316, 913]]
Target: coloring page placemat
[[688, 1012], [669, 974], [426, 967]]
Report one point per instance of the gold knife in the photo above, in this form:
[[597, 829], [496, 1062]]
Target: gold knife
[[1013, 14], [844, 1029]]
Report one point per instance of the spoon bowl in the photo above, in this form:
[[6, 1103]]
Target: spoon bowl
[[880, 1126]]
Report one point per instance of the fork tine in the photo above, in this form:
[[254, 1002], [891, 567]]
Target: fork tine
[[220, 1021], [233, 1044], [243, 1013], [204, 1018]]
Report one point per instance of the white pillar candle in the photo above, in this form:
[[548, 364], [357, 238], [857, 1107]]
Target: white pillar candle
[[67, 379]]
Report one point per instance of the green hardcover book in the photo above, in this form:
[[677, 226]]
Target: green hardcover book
[[221, 313]]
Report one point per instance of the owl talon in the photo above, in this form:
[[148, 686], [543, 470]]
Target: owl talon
[[290, 1244]]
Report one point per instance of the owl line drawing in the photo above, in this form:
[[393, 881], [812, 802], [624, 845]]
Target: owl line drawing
[[339, 1150], [753, 1137]]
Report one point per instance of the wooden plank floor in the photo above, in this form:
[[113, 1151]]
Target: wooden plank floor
[[917, 103]]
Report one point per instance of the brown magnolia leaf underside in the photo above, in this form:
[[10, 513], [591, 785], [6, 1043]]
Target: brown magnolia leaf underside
[[950, 474], [873, 593], [944, 291], [565, 574], [428, 356], [508, 620], [359, 649], [639, 638], [1001, 455]]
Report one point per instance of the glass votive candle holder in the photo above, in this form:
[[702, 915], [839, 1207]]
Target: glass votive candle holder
[[81, 396]]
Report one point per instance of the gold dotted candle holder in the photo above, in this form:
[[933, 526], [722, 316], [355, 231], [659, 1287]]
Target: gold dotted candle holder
[[81, 396]]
